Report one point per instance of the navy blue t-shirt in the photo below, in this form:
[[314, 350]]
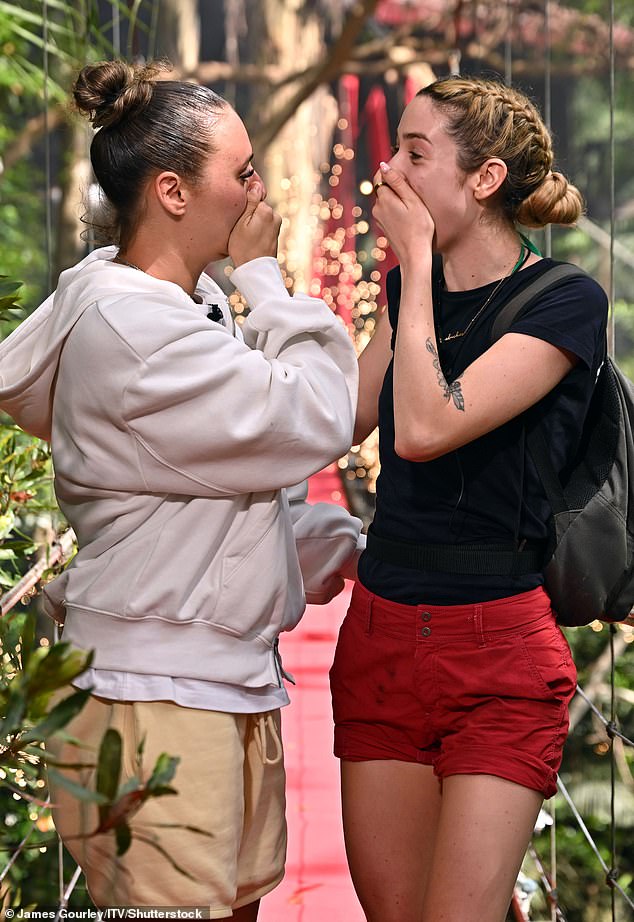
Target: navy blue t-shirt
[[487, 491]]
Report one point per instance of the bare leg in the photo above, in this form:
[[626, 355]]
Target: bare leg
[[485, 827], [390, 815]]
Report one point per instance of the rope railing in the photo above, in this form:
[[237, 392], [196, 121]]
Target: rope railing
[[610, 728], [58, 551], [546, 881], [67, 893], [610, 873], [22, 845], [62, 547], [612, 732]]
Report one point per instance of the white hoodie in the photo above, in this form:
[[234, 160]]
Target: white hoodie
[[172, 440]]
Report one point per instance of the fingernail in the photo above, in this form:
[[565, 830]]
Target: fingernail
[[384, 166]]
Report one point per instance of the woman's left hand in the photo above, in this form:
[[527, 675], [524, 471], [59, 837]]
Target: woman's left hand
[[402, 215]]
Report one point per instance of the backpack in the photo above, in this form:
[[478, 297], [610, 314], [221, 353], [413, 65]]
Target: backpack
[[590, 573]]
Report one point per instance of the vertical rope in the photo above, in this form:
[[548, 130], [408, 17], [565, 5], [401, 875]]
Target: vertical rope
[[476, 35], [49, 267], [508, 45], [116, 28], [66, 895], [134, 15], [612, 875], [612, 181], [548, 236], [153, 33], [554, 895], [47, 153]]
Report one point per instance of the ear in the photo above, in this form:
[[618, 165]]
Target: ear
[[169, 190], [488, 178]]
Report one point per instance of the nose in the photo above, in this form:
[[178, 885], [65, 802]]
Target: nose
[[395, 159]]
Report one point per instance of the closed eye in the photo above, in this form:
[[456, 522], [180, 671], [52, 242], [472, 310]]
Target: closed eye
[[413, 155]]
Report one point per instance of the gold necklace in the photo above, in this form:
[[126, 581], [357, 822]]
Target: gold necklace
[[524, 254], [215, 313], [124, 262]]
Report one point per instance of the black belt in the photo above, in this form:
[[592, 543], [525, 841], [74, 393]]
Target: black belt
[[506, 559]]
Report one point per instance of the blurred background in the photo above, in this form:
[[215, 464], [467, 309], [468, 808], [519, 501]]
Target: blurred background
[[321, 85]]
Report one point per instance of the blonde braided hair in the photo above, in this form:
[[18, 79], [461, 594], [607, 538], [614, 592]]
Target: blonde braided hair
[[488, 119]]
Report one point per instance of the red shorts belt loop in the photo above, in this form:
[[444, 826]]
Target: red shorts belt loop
[[481, 688], [477, 622], [369, 603]]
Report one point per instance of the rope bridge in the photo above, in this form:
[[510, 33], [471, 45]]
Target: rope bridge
[[61, 549]]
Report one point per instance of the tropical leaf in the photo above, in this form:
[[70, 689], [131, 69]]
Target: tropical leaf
[[123, 838], [109, 765], [59, 716], [77, 790], [163, 772], [59, 666]]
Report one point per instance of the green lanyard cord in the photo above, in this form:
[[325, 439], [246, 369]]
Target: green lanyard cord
[[531, 246]]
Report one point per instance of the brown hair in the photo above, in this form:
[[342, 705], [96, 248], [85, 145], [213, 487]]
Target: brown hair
[[488, 119], [145, 125]]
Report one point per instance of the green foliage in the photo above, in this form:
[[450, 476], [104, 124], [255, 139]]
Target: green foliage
[[117, 804], [623, 10], [586, 772], [75, 34], [33, 675], [624, 336], [27, 684], [70, 36], [9, 297], [32, 679], [34, 708], [25, 493]]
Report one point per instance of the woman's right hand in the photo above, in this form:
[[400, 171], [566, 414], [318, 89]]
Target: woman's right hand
[[403, 216], [256, 231]]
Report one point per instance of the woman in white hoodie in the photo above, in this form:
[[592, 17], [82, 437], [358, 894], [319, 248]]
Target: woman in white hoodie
[[173, 435]]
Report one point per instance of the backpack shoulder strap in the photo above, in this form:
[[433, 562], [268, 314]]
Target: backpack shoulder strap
[[535, 436], [551, 278]]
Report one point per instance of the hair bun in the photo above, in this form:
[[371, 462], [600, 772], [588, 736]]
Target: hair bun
[[554, 201], [109, 91]]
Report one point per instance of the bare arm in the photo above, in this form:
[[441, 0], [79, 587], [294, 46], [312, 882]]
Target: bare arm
[[373, 363], [432, 417]]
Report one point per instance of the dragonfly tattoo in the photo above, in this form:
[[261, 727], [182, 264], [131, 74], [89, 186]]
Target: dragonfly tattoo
[[451, 391]]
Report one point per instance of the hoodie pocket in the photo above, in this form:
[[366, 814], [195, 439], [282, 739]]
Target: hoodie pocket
[[261, 591]]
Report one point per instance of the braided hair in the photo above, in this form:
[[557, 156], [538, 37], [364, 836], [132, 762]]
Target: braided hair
[[488, 119]]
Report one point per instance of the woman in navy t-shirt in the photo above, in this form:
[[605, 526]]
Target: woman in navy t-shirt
[[451, 680]]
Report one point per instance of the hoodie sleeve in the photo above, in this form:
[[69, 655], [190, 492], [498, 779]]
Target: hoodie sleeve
[[212, 415], [329, 543]]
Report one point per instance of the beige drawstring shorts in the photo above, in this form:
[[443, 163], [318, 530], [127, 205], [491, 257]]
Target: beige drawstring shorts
[[230, 782]]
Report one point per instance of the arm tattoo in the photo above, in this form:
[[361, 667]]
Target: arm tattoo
[[453, 390]]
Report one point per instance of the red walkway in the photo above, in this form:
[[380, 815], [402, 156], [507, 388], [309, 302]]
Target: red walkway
[[317, 886]]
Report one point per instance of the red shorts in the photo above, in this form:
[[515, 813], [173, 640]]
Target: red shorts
[[470, 689]]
